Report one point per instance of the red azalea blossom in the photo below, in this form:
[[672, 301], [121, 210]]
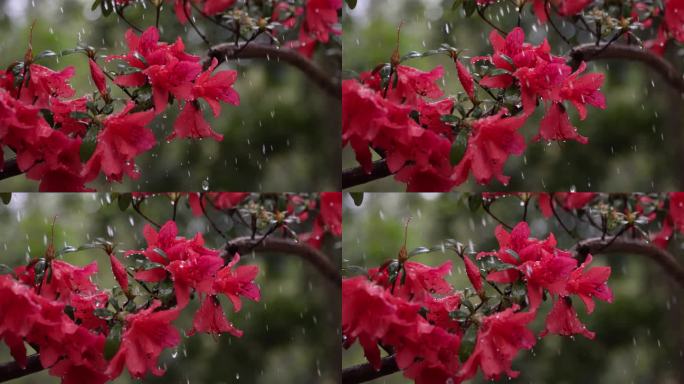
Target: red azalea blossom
[[211, 319], [98, 77], [147, 333], [563, 320], [493, 140], [591, 283], [499, 339], [238, 282], [124, 136]]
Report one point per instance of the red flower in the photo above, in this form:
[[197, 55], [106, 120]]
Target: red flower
[[123, 138], [216, 88], [556, 126], [98, 77], [146, 334], [211, 319], [674, 18], [237, 282], [584, 90], [568, 200], [473, 273], [499, 339], [63, 281], [563, 320], [191, 124], [190, 264], [119, 272], [328, 220], [213, 7], [420, 282], [466, 79], [676, 210], [220, 200], [319, 23], [493, 140], [589, 284]]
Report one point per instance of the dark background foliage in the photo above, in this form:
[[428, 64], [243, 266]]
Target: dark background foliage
[[639, 336], [273, 141]]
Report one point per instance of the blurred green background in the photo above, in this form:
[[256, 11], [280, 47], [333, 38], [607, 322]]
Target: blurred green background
[[284, 136], [290, 336], [639, 337], [635, 144]]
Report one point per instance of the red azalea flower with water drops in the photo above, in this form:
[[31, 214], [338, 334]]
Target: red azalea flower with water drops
[[567, 200], [674, 18], [237, 282], [499, 338], [211, 319], [492, 141], [98, 77], [124, 136], [420, 280], [563, 320], [146, 334], [589, 284]]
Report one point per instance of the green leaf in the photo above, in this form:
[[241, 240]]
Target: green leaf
[[456, 4], [458, 148], [45, 53], [95, 5], [357, 197], [492, 263], [113, 341], [124, 201], [6, 270], [39, 269], [513, 253], [103, 313], [6, 197], [469, 6], [468, 343], [351, 3], [78, 115], [474, 202], [419, 251]]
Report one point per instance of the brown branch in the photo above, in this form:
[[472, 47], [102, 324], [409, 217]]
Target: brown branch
[[357, 175], [10, 169], [589, 52], [640, 247], [11, 370], [365, 372], [231, 51], [279, 245]]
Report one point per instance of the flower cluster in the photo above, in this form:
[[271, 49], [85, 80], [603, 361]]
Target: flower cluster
[[55, 307], [318, 20], [46, 127], [410, 309], [400, 113]]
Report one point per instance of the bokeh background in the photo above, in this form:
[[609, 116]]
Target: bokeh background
[[284, 136], [290, 336], [639, 337], [635, 144]]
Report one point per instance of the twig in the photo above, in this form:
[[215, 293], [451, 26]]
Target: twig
[[357, 175], [12, 370], [213, 225], [119, 12], [638, 247], [366, 372], [480, 12], [547, 5], [136, 207], [192, 23], [555, 214], [317, 258], [486, 207], [229, 51]]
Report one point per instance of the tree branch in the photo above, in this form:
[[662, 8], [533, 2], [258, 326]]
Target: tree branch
[[365, 372], [357, 176], [231, 51], [278, 245], [589, 52], [10, 169], [625, 245], [11, 370]]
